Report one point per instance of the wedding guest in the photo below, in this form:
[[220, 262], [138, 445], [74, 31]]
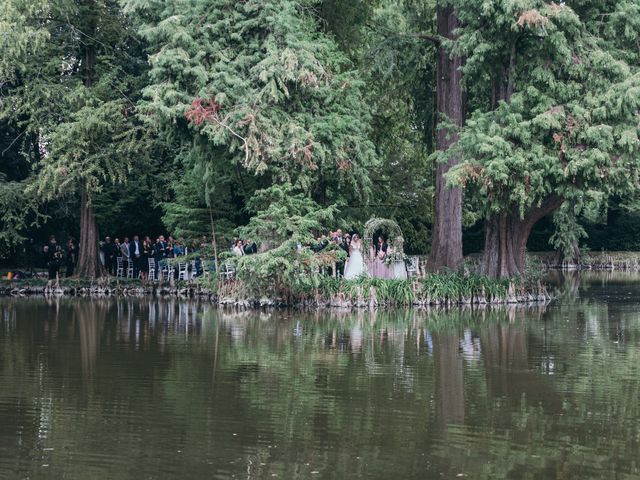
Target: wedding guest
[[126, 254], [109, 256], [147, 253], [340, 239], [250, 247], [398, 268], [159, 249], [237, 248], [178, 249], [169, 249], [378, 267], [135, 252], [124, 249], [71, 258], [381, 246], [320, 244], [53, 256]]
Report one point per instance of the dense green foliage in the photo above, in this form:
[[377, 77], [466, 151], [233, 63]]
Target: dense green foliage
[[570, 126], [67, 70], [256, 89], [280, 119], [560, 120]]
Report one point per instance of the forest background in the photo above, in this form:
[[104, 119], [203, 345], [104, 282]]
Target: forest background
[[278, 118]]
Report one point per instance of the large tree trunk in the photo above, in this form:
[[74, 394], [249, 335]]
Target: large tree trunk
[[506, 238], [446, 246], [89, 265]]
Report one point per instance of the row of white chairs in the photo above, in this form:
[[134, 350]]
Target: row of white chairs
[[156, 270], [227, 272]]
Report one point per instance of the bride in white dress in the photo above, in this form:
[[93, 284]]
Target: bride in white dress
[[355, 264]]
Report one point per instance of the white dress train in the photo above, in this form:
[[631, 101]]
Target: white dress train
[[355, 264]]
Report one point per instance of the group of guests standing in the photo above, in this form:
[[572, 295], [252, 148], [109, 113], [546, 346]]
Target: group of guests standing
[[338, 238], [56, 256], [244, 247], [385, 260], [138, 253]]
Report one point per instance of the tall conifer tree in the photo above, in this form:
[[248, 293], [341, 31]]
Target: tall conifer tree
[[446, 247], [270, 92], [67, 70], [556, 115]]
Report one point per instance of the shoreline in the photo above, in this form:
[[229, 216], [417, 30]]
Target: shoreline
[[515, 294], [606, 261]]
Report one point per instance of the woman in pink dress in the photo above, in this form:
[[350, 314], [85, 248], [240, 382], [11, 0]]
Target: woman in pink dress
[[378, 268]]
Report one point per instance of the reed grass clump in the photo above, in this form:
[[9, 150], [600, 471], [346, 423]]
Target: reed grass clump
[[434, 289]]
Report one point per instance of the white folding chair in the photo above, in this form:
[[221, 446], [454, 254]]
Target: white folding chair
[[119, 267], [152, 269], [182, 271], [229, 271], [194, 269], [412, 267]]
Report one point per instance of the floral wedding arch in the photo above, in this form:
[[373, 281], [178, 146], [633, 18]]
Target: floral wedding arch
[[393, 235]]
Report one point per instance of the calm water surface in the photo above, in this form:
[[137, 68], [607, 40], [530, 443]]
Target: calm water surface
[[132, 389]]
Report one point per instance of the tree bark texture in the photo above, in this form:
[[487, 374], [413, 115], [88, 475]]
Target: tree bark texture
[[446, 247], [89, 265], [506, 236]]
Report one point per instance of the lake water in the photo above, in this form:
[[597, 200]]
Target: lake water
[[133, 389]]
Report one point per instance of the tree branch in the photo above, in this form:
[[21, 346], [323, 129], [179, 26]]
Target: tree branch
[[235, 134], [12, 142], [548, 205], [434, 39]]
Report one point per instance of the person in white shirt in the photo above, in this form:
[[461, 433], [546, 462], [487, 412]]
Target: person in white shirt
[[238, 248]]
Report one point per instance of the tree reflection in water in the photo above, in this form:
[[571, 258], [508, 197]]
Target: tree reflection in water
[[492, 393]]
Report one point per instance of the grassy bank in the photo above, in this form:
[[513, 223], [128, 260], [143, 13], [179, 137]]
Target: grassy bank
[[435, 289], [446, 289], [98, 287]]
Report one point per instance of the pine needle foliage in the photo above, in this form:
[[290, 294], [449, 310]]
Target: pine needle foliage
[[67, 69], [260, 80], [285, 224], [556, 104]]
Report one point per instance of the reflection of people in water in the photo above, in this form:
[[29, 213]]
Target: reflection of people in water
[[356, 339], [470, 346]]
